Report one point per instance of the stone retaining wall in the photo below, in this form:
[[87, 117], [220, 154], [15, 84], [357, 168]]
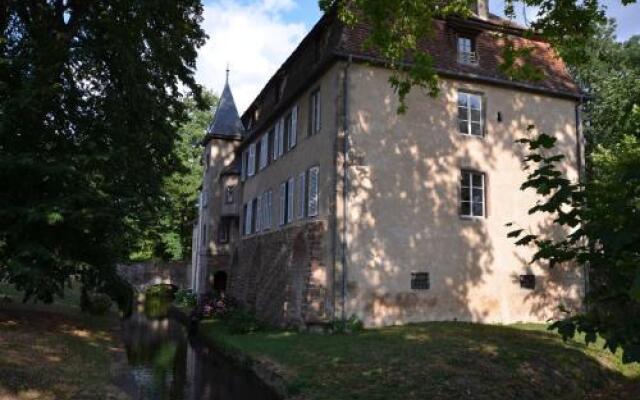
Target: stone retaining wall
[[282, 275]]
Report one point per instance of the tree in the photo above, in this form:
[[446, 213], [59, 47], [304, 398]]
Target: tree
[[602, 215], [398, 27], [170, 236], [89, 110]]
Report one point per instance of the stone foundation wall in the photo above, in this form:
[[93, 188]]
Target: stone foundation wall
[[282, 275]]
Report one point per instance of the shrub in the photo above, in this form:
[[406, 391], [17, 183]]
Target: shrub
[[186, 298], [351, 325], [161, 290], [99, 303], [241, 322]]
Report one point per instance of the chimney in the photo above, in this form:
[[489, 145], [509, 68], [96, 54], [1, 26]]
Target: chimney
[[482, 9]]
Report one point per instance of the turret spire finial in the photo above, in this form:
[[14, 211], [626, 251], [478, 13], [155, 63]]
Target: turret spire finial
[[227, 73]]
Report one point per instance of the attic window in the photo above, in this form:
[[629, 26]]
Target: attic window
[[420, 281], [467, 50]]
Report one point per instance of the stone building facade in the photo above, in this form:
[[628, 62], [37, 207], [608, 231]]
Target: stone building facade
[[321, 202]]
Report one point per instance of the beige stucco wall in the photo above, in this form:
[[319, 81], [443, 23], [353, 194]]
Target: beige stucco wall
[[310, 151], [404, 198]]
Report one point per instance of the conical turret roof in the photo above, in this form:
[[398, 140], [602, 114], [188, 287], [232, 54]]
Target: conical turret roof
[[226, 121]]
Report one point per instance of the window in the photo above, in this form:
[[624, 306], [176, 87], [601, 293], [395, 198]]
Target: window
[[312, 200], [251, 168], [470, 114], [254, 215], [269, 211], [528, 281], [290, 190], [266, 211], [258, 214], [280, 138], [204, 234], [472, 194], [228, 194], [420, 281], [302, 191], [293, 128], [244, 220], [314, 112], [223, 231], [249, 219], [205, 199], [264, 151], [276, 140], [283, 202], [286, 135], [467, 50], [243, 166]]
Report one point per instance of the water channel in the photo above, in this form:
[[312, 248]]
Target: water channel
[[165, 363]]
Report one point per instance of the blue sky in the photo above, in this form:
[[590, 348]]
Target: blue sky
[[255, 36]]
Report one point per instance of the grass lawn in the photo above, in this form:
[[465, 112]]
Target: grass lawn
[[55, 352], [438, 361]]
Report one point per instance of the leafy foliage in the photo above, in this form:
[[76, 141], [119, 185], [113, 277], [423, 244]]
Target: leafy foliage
[[89, 109], [169, 237], [602, 219]]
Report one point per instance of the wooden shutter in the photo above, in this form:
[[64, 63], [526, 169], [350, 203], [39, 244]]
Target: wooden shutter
[[283, 201], [247, 228], [290, 200], [302, 190], [312, 208], [293, 130]]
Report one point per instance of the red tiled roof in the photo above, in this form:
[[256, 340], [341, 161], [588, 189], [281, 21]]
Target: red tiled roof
[[490, 45], [330, 39]]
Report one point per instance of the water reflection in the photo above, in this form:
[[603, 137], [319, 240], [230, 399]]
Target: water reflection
[[165, 364]]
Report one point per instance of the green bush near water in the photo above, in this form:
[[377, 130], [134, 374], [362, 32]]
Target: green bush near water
[[186, 298], [161, 290], [242, 322]]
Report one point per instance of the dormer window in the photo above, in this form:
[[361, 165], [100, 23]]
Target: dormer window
[[467, 50]]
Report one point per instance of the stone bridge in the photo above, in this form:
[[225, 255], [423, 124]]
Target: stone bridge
[[144, 274]]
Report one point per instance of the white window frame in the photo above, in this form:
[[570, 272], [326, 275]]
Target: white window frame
[[312, 198], [466, 54], [252, 160], [468, 191], [467, 114]]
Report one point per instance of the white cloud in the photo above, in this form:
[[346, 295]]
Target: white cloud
[[253, 38]]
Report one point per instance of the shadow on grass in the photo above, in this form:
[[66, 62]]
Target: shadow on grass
[[440, 360], [53, 354]]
